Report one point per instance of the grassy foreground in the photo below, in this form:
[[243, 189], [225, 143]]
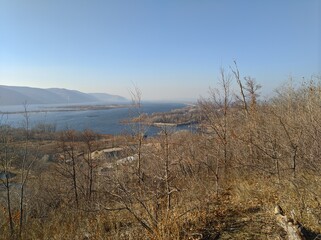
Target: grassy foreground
[[220, 182]]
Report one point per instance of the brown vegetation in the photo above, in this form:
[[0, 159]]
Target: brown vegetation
[[177, 117], [222, 182]]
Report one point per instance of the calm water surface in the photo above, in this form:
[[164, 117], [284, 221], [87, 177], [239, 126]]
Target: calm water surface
[[101, 121]]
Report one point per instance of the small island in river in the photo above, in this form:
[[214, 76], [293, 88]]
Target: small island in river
[[175, 118]]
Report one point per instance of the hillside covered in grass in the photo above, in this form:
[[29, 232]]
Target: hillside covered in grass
[[222, 181]]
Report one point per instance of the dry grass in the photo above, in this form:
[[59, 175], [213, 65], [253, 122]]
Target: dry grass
[[219, 184]]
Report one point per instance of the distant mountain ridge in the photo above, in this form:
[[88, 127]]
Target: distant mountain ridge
[[13, 95], [104, 97]]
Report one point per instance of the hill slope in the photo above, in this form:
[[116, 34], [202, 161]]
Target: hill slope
[[11, 95], [105, 97]]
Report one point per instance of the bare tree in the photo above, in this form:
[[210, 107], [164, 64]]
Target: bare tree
[[70, 160], [252, 88], [215, 112], [89, 138], [237, 76], [6, 159], [139, 129], [25, 168]]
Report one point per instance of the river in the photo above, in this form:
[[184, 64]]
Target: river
[[106, 121]]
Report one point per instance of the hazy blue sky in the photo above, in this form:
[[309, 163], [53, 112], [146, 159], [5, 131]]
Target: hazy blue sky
[[169, 49]]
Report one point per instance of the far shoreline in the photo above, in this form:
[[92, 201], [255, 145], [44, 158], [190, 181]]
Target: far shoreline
[[70, 108]]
